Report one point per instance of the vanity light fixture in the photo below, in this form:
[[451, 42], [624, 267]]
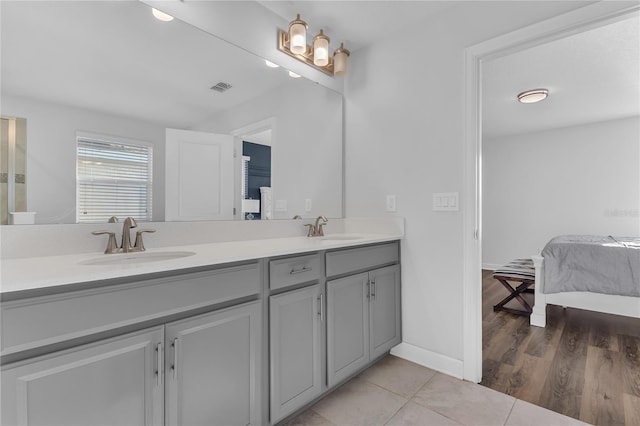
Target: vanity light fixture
[[294, 44], [164, 17], [533, 96]]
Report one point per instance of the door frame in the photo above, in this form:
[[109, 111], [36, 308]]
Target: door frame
[[239, 134], [555, 28]]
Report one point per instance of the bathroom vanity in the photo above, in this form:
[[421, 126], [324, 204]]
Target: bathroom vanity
[[209, 338]]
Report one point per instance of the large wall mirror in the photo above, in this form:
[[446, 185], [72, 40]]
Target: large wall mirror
[[109, 74]]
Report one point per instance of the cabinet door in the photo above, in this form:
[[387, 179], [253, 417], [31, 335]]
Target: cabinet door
[[115, 382], [347, 326], [384, 310], [212, 368], [296, 320]]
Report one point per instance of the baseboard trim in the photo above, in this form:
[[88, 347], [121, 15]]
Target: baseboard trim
[[435, 361]]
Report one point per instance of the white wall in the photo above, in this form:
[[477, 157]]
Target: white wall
[[574, 180], [405, 120], [51, 153], [306, 145]]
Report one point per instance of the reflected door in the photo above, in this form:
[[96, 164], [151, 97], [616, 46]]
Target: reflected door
[[199, 176]]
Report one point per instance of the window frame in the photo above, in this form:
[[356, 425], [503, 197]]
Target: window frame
[[88, 137]]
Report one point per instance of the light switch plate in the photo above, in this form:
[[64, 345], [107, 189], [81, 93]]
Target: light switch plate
[[446, 201], [391, 203]]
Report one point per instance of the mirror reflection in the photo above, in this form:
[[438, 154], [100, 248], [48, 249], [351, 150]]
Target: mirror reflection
[[129, 115]]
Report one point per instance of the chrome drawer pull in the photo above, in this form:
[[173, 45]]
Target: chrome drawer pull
[[299, 271], [159, 366], [321, 313], [174, 367]]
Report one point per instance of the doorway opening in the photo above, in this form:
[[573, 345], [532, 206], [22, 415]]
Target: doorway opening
[[515, 333], [253, 151]]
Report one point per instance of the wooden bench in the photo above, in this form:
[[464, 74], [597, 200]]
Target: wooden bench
[[517, 271]]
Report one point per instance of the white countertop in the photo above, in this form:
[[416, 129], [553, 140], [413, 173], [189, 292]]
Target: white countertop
[[32, 273]]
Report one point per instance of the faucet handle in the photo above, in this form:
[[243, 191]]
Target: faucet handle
[[138, 245], [112, 245]]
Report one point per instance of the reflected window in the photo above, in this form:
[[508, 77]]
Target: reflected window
[[114, 178]]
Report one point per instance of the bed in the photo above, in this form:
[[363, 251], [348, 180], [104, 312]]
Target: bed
[[597, 273]]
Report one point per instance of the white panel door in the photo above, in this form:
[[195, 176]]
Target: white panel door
[[199, 176]]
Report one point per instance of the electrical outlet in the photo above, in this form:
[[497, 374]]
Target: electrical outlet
[[281, 205], [391, 203], [307, 205]]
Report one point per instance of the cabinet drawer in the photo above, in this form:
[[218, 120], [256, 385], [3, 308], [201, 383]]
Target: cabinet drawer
[[357, 259], [39, 321], [294, 270]]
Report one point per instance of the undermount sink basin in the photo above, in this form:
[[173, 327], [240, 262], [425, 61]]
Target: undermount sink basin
[[341, 237], [136, 257]]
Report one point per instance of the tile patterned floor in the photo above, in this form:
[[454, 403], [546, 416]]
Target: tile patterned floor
[[398, 392]]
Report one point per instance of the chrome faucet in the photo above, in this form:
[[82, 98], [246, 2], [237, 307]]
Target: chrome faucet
[[315, 230], [319, 231], [126, 236], [125, 246]]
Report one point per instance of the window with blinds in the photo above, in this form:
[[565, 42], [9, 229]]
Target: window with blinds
[[113, 179]]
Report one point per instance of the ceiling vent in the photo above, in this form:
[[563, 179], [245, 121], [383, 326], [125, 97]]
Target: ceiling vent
[[221, 87]]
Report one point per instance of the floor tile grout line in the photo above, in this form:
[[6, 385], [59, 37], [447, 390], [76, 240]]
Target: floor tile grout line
[[510, 411], [408, 398]]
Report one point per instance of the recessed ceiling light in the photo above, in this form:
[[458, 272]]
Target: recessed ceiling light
[[293, 74], [165, 17], [533, 96], [271, 64]]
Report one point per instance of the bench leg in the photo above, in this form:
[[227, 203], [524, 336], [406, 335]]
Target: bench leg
[[515, 293]]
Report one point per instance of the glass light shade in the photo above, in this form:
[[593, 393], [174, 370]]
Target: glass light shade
[[340, 60], [293, 74], [298, 36], [165, 17], [533, 96], [270, 64], [321, 50]]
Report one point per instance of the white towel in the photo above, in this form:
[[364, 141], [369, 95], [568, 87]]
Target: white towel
[[266, 211]]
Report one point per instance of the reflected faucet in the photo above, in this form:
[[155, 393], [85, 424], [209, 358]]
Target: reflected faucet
[[126, 236]]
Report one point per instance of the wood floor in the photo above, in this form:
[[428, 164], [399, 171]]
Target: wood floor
[[583, 364]]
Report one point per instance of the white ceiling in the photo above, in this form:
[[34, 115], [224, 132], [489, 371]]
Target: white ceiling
[[357, 23], [55, 50], [115, 57], [591, 76]]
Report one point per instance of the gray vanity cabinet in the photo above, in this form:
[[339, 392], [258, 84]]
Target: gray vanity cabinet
[[296, 329], [347, 326], [384, 310], [195, 366], [114, 382], [363, 309], [212, 368], [296, 322]]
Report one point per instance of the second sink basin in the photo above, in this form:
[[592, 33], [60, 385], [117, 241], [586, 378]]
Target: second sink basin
[[136, 257]]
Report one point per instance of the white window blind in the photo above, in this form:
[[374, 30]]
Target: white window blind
[[113, 179]]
